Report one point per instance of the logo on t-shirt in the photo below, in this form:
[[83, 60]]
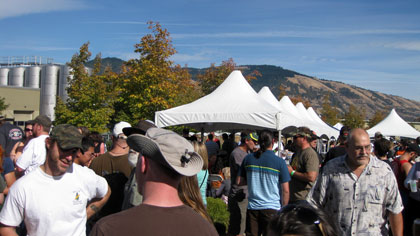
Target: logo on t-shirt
[[77, 200], [15, 134]]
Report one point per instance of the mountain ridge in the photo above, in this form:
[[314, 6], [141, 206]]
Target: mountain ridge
[[313, 90]]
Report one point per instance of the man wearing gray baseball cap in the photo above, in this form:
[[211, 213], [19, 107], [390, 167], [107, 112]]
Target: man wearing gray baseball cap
[[164, 158], [57, 197]]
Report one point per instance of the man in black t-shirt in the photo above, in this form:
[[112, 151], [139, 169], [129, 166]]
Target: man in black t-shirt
[[9, 135]]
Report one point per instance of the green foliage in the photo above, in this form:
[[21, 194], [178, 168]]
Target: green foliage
[[377, 117], [329, 114], [215, 75], [152, 82], [354, 117], [218, 212], [90, 97], [3, 105], [110, 63]]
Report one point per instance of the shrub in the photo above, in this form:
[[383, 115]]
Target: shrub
[[219, 214]]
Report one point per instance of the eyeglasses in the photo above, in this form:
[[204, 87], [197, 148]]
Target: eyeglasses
[[305, 214]]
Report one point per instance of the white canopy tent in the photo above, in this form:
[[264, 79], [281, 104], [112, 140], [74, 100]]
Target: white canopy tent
[[338, 126], [287, 105], [313, 124], [233, 105], [394, 125], [268, 96], [330, 131]]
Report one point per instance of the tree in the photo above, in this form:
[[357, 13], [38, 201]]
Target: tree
[[186, 89], [377, 117], [282, 91], [298, 99], [3, 105], [215, 75], [90, 97], [329, 114], [151, 82], [354, 117]]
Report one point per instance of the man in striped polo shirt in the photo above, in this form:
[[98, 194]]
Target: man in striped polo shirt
[[268, 185]]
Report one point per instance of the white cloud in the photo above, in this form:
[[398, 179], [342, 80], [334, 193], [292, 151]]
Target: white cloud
[[185, 58], [29, 47], [411, 46], [13, 8], [305, 33], [119, 22]]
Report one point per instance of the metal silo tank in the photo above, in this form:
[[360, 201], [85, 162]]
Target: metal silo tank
[[17, 76], [64, 74], [4, 75], [49, 80], [32, 76]]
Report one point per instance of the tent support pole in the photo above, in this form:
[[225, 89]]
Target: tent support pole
[[278, 143], [202, 135]]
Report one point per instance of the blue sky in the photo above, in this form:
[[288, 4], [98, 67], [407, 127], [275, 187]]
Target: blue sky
[[371, 44]]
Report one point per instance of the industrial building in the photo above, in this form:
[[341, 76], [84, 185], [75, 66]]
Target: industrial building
[[30, 87]]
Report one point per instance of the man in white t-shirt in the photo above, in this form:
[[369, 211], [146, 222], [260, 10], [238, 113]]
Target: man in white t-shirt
[[33, 155], [58, 197]]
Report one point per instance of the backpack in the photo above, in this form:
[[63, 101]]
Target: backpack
[[132, 197]]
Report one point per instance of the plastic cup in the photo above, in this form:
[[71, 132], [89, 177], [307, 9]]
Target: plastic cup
[[413, 185]]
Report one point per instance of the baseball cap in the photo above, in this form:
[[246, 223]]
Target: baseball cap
[[67, 136], [302, 131], [412, 147], [141, 128], [118, 129], [169, 149], [252, 136], [41, 120]]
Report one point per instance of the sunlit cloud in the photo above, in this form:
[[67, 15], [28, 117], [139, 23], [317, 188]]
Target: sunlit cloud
[[13, 8], [411, 46]]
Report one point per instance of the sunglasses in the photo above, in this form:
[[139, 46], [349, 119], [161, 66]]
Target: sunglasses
[[27, 130], [69, 151], [304, 214]]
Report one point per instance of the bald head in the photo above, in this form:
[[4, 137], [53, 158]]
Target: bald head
[[357, 133], [358, 148]]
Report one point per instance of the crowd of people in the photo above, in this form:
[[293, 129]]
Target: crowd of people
[[64, 180]]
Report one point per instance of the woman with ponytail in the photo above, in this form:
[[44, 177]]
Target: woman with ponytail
[[268, 184]]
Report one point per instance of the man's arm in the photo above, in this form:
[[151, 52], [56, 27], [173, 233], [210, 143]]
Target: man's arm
[[285, 195], [7, 230], [309, 176], [396, 221], [240, 181], [96, 204], [406, 168], [24, 160]]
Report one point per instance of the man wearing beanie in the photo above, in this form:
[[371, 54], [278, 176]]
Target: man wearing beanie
[[57, 197]]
